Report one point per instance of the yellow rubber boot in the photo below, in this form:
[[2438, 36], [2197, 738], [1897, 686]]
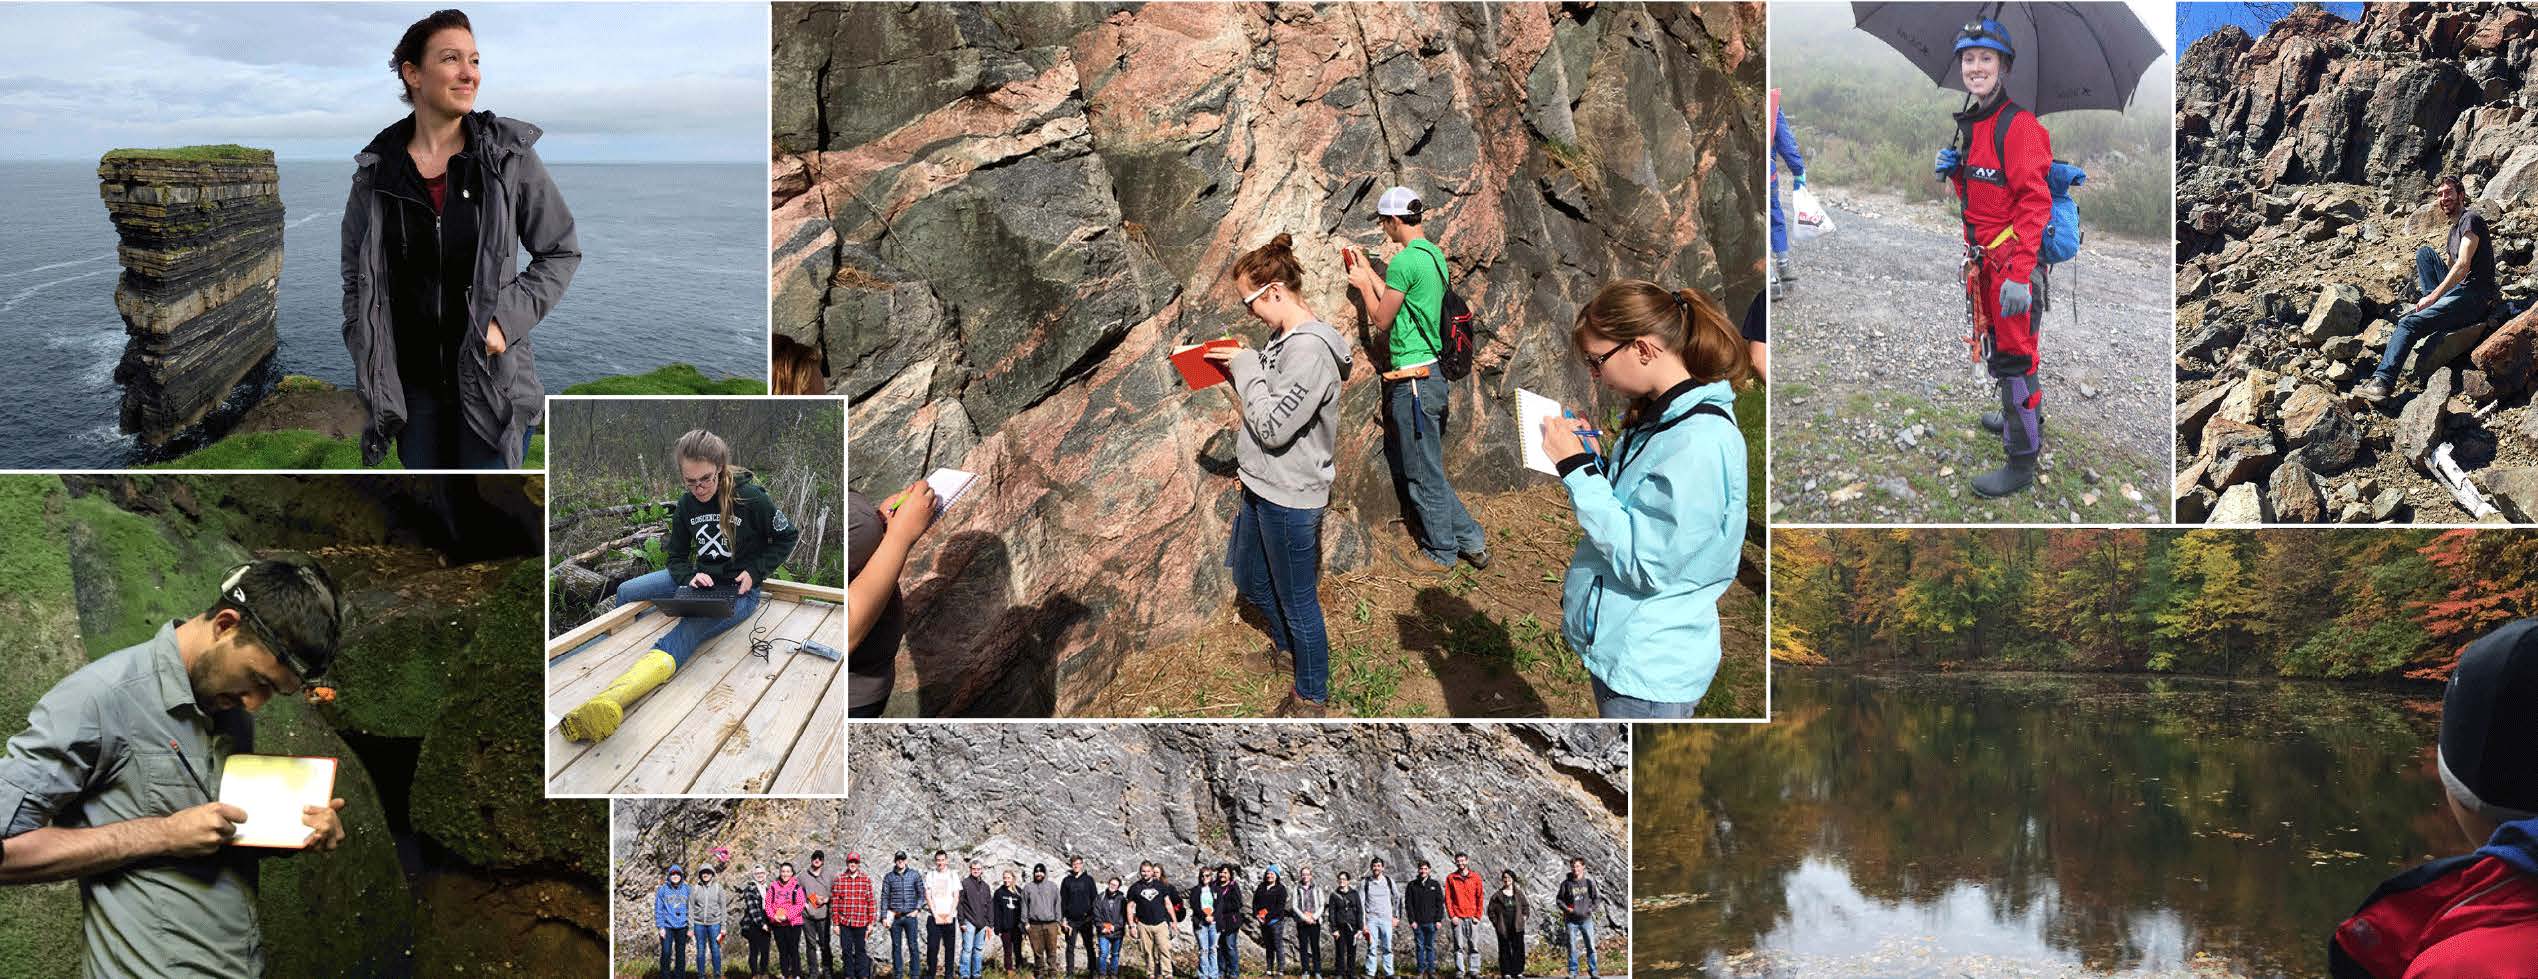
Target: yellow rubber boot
[[598, 717]]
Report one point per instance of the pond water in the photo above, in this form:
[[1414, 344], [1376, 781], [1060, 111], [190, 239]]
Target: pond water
[[2027, 824]]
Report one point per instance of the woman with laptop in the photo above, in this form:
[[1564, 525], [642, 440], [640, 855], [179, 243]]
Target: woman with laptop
[[726, 537]]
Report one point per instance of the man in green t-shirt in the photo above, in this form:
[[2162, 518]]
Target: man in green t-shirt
[[1409, 301]]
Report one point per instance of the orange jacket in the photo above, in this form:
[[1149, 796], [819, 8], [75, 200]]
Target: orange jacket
[[1462, 894]]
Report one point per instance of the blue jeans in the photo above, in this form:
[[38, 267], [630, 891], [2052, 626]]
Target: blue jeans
[[1416, 430], [1379, 944], [673, 952], [1229, 951], [709, 939], [682, 639], [1779, 223], [1106, 953], [1582, 939], [2461, 307], [1423, 936], [1207, 953], [1276, 557], [1620, 707], [907, 945], [973, 940]]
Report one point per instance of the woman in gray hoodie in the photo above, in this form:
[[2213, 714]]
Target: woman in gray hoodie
[[435, 316], [1287, 394], [708, 907]]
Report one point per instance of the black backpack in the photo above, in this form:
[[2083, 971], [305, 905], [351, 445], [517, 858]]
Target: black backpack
[[1454, 326]]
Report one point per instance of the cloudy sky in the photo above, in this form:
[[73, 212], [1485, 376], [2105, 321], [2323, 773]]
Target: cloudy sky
[[607, 81]]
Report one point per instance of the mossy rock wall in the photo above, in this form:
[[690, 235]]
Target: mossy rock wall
[[39, 624]]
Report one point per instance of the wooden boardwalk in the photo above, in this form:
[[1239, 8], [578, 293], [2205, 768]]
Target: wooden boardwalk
[[727, 723]]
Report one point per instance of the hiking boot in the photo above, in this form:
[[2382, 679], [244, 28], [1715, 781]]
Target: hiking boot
[[1479, 560], [2375, 389], [1992, 422], [1410, 558], [2013, 475]]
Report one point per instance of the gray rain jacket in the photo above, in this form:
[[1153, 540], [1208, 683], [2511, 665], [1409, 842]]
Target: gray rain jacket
[[501, 395]]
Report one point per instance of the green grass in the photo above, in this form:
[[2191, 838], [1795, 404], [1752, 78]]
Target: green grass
[[302, 382], [299, 449], [673, 379], [209, 152]]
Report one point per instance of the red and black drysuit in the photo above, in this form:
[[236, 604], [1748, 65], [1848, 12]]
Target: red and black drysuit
[[2001, 193]]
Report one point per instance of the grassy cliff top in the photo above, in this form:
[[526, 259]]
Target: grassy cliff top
[[217, 153]]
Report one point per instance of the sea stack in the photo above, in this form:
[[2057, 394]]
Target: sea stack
[[201, 230]]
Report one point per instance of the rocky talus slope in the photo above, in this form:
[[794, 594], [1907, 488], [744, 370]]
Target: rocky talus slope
[[201, 231], [1525, 797], [1000, 218], [2307, 161]]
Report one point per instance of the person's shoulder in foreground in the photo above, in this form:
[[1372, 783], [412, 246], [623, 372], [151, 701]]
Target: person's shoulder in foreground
[[2474, 915]]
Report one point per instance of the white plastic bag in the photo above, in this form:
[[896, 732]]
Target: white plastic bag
[[1807, 216]]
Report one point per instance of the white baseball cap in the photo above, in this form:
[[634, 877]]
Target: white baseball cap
[[1397, 202]]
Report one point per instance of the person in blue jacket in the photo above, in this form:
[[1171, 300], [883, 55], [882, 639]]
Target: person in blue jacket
[[1661, 502], [669, 916], [1784, 146]]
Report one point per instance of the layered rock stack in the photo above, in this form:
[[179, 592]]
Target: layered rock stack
[[201, 230], [1515, 796], [1000, 218], [2306, 164]]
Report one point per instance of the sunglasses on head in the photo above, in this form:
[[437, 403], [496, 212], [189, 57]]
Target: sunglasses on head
[[1255, 294]]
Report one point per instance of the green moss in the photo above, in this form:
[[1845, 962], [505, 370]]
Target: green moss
[[478, 788], [134, 575], [397, 672], [39, 924], [347, 912], [302, 382], [213, 152], [673, 379]]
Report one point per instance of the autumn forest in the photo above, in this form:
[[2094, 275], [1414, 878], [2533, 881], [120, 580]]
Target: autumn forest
[[2344, 604]]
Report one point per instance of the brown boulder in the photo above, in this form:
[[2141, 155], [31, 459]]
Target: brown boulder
[[2235, 452], [2510, 356]]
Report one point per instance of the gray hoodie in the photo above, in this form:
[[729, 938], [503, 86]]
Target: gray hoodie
[[1381, 897], [1290, 394], [500, 394], [707, 904]]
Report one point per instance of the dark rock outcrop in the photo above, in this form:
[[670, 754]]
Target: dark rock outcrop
[[999, 218], [1521, 797], [201, 231], [2306, 163]]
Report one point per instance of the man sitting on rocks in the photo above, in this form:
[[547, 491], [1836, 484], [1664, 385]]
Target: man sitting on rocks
[[2455, 293]]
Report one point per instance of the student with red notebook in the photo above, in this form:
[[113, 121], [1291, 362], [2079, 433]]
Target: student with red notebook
[[1288, 396]]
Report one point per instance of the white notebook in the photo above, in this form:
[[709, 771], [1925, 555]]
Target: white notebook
[[275, 790]]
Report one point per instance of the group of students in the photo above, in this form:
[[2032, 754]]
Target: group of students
[[1660, 504], [941, 921]]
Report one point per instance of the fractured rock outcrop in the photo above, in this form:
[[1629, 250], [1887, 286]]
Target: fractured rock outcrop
[[998, 219], [2306, 164], [201, 230]]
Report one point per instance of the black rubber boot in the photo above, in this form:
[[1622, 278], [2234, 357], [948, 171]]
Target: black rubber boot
[[2012, 476], [1991, 422]]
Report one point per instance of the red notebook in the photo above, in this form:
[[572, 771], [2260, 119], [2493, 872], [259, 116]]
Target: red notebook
[[1196, 370]]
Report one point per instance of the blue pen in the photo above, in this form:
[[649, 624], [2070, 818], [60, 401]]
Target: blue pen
[[1587, 434]]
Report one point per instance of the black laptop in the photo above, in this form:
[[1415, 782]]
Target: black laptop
[[711, 603]]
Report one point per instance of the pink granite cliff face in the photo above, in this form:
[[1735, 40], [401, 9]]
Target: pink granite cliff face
[[999, 218]]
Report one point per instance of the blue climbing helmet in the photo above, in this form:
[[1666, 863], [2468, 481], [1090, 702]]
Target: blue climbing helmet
[[1985, 33]]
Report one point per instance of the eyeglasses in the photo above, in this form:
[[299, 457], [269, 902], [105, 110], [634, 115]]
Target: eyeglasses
[[1595, 364], [703, 481], [1255, 294]]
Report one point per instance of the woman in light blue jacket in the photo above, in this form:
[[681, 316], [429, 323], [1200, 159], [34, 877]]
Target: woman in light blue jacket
[[1661, 503]]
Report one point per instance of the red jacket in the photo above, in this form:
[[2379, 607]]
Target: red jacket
[[2461, 918], [1998, 195], [1462, 894]]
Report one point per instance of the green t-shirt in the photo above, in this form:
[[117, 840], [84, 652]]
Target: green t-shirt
[[1418, 271]]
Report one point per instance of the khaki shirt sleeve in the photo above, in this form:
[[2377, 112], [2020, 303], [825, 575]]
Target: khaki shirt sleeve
[[49, 764]]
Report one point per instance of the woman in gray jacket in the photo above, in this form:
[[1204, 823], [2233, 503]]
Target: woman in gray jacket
[[437, 312], [708, 907]]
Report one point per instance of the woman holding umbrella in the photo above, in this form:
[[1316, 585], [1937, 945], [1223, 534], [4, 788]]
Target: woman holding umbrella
[[1998, 167]]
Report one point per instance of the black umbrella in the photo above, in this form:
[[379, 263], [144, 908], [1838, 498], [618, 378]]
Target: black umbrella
[[2070, 55]]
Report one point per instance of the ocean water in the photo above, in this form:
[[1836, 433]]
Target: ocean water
[[674, 260]]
